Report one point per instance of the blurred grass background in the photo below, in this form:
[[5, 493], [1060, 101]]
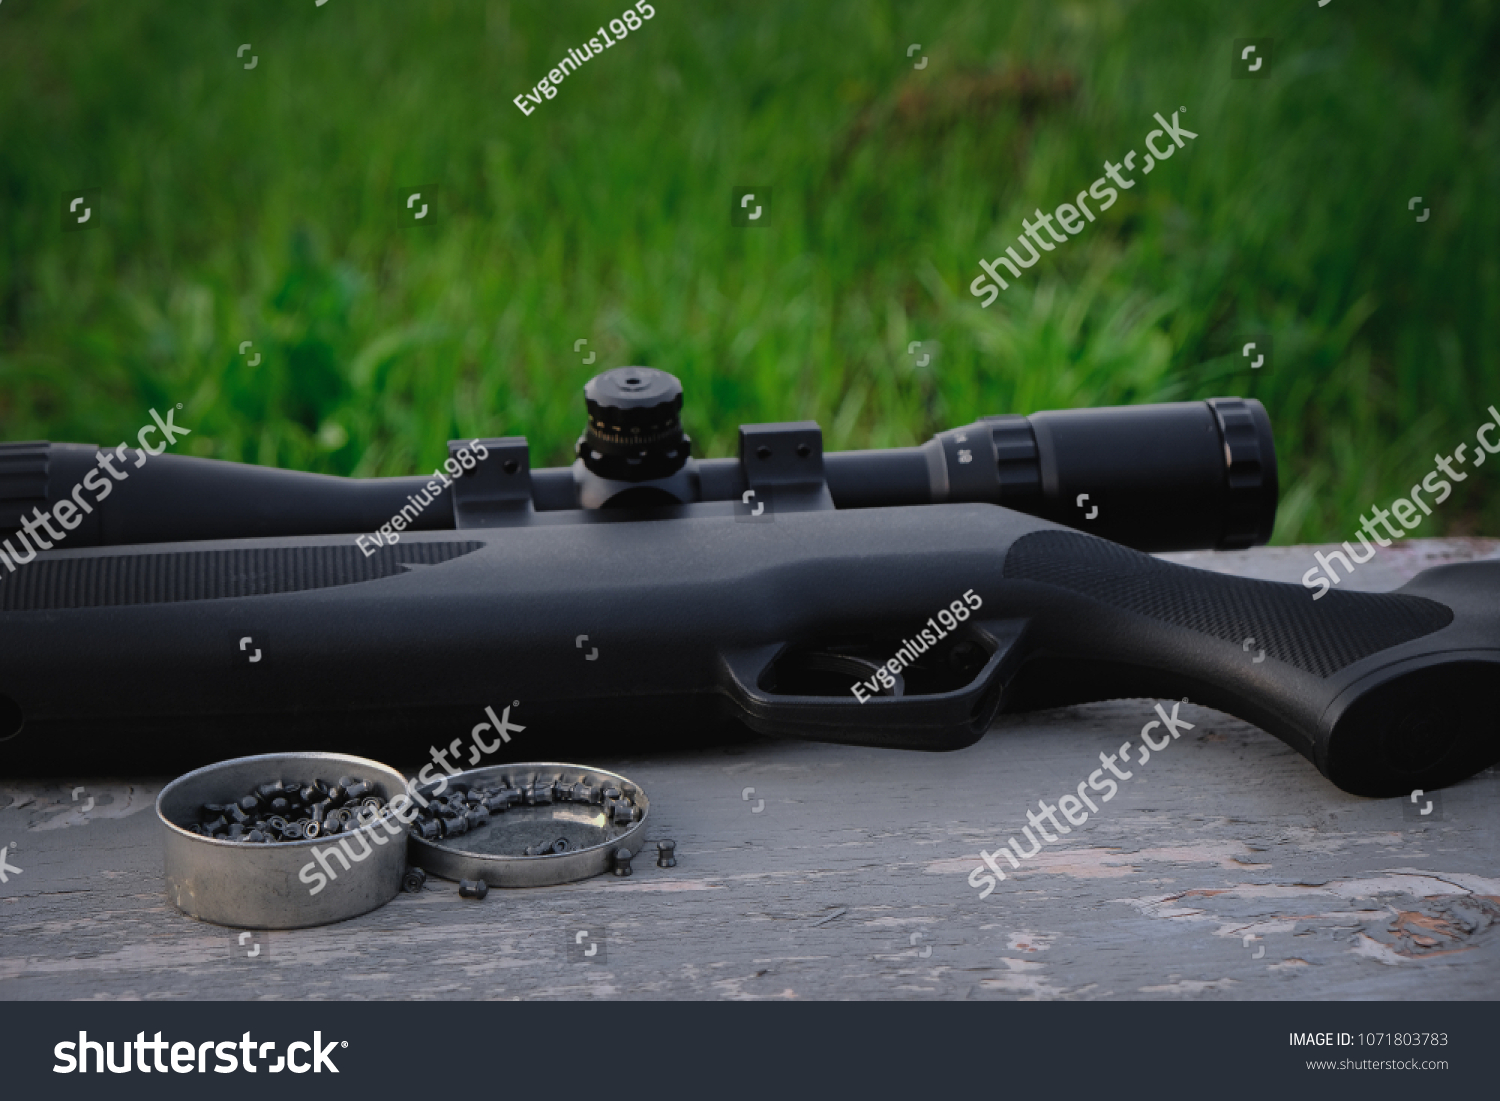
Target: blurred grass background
[[262, 205]]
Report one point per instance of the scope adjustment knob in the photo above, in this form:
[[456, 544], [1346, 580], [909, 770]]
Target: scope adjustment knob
[[634, 431]]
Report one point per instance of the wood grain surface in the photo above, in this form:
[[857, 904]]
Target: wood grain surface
[[1225, 868]]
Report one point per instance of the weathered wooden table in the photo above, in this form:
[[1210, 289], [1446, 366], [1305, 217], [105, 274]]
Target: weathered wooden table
[[1226, 868]]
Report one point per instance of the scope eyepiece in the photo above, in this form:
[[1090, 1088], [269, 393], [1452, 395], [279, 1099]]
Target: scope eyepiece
[[1153, 477], [634, 431]]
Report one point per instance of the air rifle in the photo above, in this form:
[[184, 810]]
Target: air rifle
[[897, 598]]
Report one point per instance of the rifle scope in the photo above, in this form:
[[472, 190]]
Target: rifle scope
[[1174, 476]]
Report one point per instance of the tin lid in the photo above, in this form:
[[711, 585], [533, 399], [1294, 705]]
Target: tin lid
[[544, 823]]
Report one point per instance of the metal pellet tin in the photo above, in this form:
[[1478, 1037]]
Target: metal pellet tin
[[492, 851], [276, 886]]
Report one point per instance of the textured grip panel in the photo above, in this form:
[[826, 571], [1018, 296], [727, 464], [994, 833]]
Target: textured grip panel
[[1322, 638], [207, 574]]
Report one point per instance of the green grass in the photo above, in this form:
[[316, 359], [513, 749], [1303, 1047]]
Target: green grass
[[262, 205]]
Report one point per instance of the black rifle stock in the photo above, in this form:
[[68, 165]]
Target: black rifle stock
[[756, 599], [705, 615]]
